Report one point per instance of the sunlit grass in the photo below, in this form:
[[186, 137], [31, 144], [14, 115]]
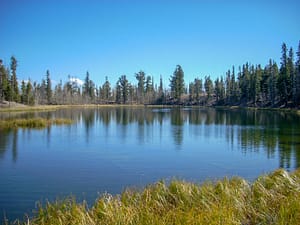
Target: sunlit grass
[[37, 123], [57, 107], [30, 108], [60, 121], [271, 199]]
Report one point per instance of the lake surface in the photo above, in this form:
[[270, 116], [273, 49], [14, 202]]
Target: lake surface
[[110, 149]]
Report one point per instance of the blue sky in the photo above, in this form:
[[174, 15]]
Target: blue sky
[[112, 38]]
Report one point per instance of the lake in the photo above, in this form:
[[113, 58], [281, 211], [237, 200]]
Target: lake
[[111, 148]]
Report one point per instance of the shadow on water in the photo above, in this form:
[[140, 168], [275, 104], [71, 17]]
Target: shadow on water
[[9, 140], [4, 142], [177, 122]]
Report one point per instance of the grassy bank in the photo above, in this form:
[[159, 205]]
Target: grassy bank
[[32, 123], [56, 107], [25, 108], [271, 199], [30, 108]]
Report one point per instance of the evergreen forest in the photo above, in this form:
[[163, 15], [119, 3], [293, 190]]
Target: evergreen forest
[[272, 85]]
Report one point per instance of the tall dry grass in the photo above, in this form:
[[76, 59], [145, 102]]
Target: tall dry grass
[[37, 123], [271, 199]]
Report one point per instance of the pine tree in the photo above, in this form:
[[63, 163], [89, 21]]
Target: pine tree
[[118, 92], [233, 87], [220, 90], [123, 86], [252, 84], [91, 92], [149, 84], [217, 90], [41, 93], [198, 88], [209, 87], [177, 83], [29, 93], [1, 81], [4, 82], [58, 93], [257, 83], [160, 97], [14, 80], [192, 91], [86, 87], [149, 88], [161, 87], [131, 95], [292, 86], [140, 76], [244, 83], [106, 90], [23, 92], [195, 90], [298, 76], [283, 76], [48, 88], [228, 87], [265, 95], [273, 83]]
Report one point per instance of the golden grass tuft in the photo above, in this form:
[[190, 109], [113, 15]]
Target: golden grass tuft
[[271, 199], [37, 123]]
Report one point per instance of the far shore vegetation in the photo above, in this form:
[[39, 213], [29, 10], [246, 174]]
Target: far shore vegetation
[[15, 108], [249, 85], [37, 123], [270, 199]]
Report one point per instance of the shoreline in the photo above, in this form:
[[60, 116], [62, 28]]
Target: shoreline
[[25, 108]]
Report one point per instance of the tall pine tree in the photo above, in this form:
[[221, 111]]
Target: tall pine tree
[[123, 89], [257, 83], [283, 81], [209, 87], [298, 76], [4, 82], [14, 81], [140, 76], [48, 88], [106, 90], [292, 89], [160, 97], [177, 83]]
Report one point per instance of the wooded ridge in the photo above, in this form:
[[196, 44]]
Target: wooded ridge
[[249, 85]]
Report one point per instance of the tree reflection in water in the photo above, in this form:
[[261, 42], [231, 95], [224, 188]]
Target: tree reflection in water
[[267, 132]]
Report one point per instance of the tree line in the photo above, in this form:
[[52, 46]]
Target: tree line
[[250, 85]]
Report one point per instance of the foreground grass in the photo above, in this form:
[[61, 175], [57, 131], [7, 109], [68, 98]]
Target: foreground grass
[[271, 199], [31, 123]]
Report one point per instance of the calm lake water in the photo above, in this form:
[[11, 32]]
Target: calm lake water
[[109, 149]]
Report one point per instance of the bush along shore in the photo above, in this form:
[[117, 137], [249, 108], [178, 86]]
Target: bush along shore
[[270, 199], [37, 123]]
